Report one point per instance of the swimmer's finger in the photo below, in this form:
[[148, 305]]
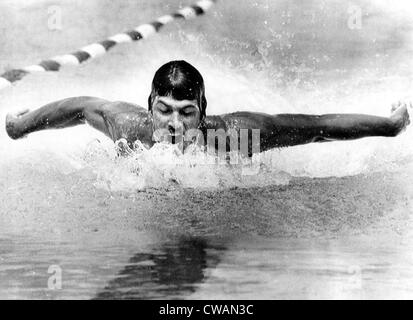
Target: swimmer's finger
[[18, 114], [22, 112], [12, 128], [123, 147], [400, 104], [394, 106]]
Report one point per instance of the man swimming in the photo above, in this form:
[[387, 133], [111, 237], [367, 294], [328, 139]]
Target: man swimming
[[177, 106]]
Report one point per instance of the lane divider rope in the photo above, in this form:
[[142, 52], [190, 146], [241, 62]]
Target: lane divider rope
[[99, 48]]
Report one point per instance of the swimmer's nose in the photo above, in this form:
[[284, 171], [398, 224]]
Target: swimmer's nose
[[171, 129], [175, 126], [175, 130]]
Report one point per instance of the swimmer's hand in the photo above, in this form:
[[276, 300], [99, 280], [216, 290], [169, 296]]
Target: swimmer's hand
[[400, 116], [123, 148], [13, 126]]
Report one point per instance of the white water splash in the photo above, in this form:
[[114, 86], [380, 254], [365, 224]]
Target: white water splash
[[165, 167]]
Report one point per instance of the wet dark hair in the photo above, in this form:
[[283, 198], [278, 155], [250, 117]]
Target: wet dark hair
[[181, 81]]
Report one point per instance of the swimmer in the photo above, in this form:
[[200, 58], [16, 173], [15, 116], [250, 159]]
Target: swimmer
[[177, 105]]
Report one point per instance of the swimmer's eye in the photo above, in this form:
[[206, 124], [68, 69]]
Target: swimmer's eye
[[188, 111], [164, 109]]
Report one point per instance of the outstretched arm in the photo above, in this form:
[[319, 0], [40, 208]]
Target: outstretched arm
[[293, 129], [60, 114]]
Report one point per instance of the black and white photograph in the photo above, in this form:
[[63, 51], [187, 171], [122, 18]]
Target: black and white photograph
[[214, 150]]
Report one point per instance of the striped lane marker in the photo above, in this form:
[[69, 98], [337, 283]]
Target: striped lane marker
[[98, 49]]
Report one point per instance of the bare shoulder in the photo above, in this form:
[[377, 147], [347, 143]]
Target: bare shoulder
[[215, 122], [103, 107], [127, 120], [122, 109]]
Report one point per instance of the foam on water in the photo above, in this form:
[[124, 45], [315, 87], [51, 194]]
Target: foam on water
[[271, 68]]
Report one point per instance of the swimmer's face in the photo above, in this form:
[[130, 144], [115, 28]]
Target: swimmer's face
[[175, 117]]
